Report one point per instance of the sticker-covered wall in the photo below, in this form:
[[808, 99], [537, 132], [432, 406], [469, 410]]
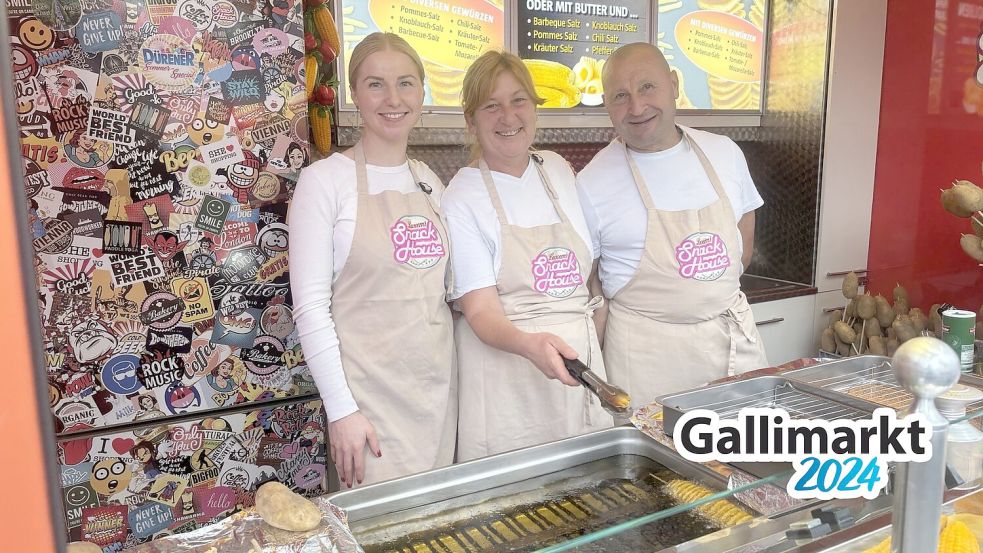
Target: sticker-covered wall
[[124, 488], [161, 142]]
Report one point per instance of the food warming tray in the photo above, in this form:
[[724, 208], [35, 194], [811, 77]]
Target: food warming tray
[[512, 501], [869, 378]]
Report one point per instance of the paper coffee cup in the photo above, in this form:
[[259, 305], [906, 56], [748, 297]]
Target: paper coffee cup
[[959, 331]]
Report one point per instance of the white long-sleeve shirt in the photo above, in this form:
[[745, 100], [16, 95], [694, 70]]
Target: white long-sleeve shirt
[[322, 225]]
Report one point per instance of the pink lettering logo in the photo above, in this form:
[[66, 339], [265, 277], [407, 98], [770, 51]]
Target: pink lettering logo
[[556, 272], [416, 242], [702, 256]]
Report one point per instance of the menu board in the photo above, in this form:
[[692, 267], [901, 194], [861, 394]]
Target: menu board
[[448, 35], [565, 45], [717, 49]]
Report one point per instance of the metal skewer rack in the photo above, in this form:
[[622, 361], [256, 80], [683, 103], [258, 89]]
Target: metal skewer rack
[[785, 395], [869, 378]]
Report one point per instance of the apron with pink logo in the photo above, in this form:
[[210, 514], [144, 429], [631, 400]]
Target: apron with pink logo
[[505, 401], [395, 329], [682, 320]]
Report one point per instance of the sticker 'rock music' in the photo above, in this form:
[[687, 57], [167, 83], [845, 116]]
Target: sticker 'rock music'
[[416, 242], [702, 256], [556, 272]]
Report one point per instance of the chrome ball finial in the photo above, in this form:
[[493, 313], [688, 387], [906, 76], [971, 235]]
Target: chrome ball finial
[[926, 366]]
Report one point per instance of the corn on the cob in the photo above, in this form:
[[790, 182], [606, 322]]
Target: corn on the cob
[[558, 98], [958, 538], [550, 73], [326, 30], [955, 537], [722, 511], [310, 73], [320, 120]]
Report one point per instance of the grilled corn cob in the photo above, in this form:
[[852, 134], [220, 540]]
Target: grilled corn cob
[[325, 26], [320, 120], [722, 511]]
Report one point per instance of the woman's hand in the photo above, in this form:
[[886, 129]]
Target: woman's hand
[[348, 436], [545, 351], [483, 310]]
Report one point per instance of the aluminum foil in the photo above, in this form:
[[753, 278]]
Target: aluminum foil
[[246, 532]]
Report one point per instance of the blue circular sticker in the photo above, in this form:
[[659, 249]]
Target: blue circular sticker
[[119, 374]]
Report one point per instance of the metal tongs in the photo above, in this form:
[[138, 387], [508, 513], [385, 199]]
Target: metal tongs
[[614, 400]]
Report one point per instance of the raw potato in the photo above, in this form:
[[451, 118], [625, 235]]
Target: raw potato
[[844, 332], [843, 350], [877, 345], [899, 292], [973, 246], [963, 199], [851, 309], [866, 307], [284, 509], [892, 346], [903, 329], [918, 320], [885, 313], [827, 341], [834, 316], [977, 226], [851, 283], [83, 547], [872, 329], [901, 306]]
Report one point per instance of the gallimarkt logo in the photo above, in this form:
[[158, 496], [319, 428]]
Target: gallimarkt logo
[[832, 459]]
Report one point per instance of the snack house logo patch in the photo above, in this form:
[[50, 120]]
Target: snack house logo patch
[[416, 242], [702, 256], [556, 272]]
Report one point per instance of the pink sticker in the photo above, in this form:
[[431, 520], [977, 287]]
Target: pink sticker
[[211, 502], [702, 256], [556, 272], [416, 242], [271, 41]]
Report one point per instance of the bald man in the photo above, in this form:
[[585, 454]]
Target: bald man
[[671, 213]]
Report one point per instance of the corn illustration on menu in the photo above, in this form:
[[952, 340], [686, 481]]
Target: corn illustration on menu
[[448, 35], [565, 44]]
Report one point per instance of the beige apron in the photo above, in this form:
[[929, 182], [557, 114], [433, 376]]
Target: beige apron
[[505, 401], [395, 329], [682, 321]]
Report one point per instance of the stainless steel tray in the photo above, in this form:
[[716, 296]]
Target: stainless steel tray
[[800, 400], [462, 496], [866, 377]]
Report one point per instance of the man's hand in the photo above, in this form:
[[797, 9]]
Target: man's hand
[[545, 351]]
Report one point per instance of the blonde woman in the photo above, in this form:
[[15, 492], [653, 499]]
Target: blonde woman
[[368, 254], [521, 258]]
